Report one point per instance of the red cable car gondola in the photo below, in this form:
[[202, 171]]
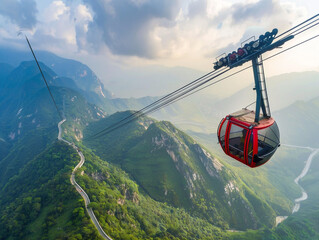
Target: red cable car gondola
[[248, 136], [245, 140]]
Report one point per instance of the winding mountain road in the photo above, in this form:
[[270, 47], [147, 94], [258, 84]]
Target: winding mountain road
[[78, 187]]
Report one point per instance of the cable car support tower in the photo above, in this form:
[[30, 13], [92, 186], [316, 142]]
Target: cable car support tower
[[261, 89]]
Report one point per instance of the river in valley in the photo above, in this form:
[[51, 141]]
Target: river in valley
[[303, 173]]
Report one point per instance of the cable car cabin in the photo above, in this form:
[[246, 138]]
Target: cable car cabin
[[246, 141]]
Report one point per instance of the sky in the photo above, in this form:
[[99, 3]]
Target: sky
[[126, 42]]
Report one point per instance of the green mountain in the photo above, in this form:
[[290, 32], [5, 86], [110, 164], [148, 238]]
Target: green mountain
[[40, 202], [274, 182], [81, 74], [35, 127], [302, 224], [76, 75], [126, 212], [29, 118], [171, 167]]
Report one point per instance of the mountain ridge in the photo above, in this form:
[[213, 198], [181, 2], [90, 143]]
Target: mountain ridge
[[171, 167]]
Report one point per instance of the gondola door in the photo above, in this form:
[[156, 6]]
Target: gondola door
[[237, 137]]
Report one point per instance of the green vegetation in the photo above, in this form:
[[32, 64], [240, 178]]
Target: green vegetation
[[24, 151], [305, 223], [172, 168], [125, 213], [41, 203], [272, 182]]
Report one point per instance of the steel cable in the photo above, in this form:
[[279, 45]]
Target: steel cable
[[168, 102], [46, 83]]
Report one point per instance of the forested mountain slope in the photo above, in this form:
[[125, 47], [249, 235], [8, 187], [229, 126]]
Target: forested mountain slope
[[40, 202], [171, 167]]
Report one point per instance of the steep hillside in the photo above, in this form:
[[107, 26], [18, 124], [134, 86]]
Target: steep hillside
[[300, 225], [125, 212], [36, 127], [86, 82], [74, 74], [23, 151], [29, 118], [40, 202], [25, 100], [274, 181], [81, 74], [171, 167]]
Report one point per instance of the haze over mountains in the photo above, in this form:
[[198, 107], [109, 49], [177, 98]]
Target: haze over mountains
[[148, 179]]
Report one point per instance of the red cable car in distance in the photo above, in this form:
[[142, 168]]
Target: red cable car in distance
[[251, 143]]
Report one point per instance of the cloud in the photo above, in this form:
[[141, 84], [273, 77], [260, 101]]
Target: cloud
[[266, 13], [252, 11], [57, 22], [245, 19], [62, 27], [55, 11], [165, 32], [23, 12], [127, 26], [197, 8], [156, 29]]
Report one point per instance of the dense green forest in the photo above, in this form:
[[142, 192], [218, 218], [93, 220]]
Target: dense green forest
[[125, 213], [41, 203]]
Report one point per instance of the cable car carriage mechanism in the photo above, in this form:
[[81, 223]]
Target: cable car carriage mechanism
[[248, 136]]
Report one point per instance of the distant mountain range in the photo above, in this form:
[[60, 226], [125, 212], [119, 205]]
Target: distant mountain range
[[203, 112], [283, 90], [299, 123]]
